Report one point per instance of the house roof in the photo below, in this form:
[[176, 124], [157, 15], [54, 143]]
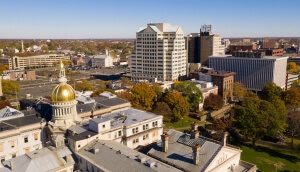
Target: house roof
[[180, 151], [114, 156], [43, 159], [19, 122]]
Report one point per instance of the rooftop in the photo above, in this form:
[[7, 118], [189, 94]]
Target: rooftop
[[125, 118], [180, 151], [43, 159], [114, 156]]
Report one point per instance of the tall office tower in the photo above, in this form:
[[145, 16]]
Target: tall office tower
[[253, 69], [210, 44], [201, 45], [192, 46], [159, 53]]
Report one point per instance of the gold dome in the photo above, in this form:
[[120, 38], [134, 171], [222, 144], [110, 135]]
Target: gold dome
[[63, 93]]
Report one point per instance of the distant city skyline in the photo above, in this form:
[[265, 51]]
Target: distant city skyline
[[103, 19]]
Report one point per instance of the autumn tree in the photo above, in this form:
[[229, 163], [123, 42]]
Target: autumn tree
[[257, 119], [270, 91], [84, 85], [293, 124], [224, 124], [213, 102], [126, 95], [4, 103], [292, 67], [3, 68], [125, 82], [142, 96], [158, 90], [178, 105], [239, 91], [190, 92], [10, 87], [250, 94], [292, 97], [163, 109]]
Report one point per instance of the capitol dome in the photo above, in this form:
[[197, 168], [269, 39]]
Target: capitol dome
[[63, 92]]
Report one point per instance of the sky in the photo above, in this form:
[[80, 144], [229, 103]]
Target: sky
[[96, 19]]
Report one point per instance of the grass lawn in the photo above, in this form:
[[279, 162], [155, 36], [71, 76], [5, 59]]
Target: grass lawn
[[265, 157], [183, 124]]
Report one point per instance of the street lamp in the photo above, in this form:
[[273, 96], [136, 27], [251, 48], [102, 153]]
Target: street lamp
[[182, 122]]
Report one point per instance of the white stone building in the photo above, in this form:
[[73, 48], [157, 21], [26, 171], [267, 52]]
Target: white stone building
[[191, 152], [130, 127], [159, 53], [20, 135], [252, 69], [102, 60]]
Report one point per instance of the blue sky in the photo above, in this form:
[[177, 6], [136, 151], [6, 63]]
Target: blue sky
[[74, 19]]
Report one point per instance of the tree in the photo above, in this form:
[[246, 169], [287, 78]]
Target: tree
[[239, 91], [295, 83], [178, 105], [292, 97], [163, 109], [126, 95], [292, 67], [3, 68], [250, 94], [84, 85], [10, 87], [257, 119], [224, 124], [190, 92], [158, 90], [213, 102], [270, 91], [125, 82], [142, 96], [293, 124], [4, 103]]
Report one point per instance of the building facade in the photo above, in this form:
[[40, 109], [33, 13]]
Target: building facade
[[159, 53], [46, 60], [201, 45], [102, 60], [253, 69]]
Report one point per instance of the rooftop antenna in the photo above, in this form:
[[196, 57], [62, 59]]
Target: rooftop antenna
[[22, 46]]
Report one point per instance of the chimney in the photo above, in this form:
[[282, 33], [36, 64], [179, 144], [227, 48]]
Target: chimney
[[194, 134], [68, 158], [196, 154], [165, 142], [12, 165], [224, 138], [194, 126]]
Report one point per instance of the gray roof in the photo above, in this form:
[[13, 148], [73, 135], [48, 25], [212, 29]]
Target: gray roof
[[126, 117], [113, 102], [81, 108], [114, 156], [19, 122], [40, 160], [84, 135], [180, 151]]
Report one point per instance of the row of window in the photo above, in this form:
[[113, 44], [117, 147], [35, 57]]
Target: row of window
[[13, 142]]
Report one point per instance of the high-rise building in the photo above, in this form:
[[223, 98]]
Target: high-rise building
[[200, 46], [159, 53], [253, 69]]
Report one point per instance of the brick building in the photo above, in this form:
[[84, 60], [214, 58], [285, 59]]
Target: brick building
[[222, 79], [241, 47]]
